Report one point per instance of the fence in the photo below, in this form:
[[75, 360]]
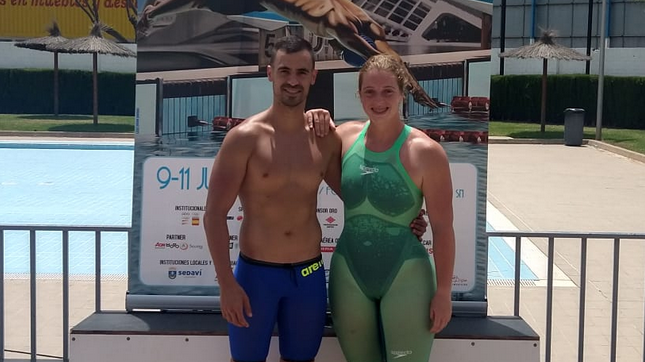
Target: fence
[[583, 238]]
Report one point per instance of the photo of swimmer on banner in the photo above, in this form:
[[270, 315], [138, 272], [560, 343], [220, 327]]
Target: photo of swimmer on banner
[[202, 70]]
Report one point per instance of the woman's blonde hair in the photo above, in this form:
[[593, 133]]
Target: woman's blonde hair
[[386, 63]]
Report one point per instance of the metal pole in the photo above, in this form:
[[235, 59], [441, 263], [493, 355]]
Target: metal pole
[[32, 291], [583, 296], [589, 27], [518, 264], [549, 298], [545, 67], [502, 37], [97, 271], [65, 296], [601, 71], [614, 301]]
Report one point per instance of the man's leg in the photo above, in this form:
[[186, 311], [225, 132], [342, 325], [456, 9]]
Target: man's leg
[[302, 314], [263, 285]]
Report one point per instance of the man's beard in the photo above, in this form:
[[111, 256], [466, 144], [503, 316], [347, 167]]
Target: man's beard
[[294, 100]]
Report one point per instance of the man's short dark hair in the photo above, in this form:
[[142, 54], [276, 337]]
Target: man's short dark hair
[[292, 44]]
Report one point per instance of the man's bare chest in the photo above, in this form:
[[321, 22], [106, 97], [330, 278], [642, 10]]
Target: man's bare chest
[[298, 164]]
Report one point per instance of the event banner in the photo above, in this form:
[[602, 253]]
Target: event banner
[[201, 70], [24, 19]]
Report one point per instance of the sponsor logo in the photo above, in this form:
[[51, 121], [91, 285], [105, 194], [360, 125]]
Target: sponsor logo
[[189, 273], [400, 354], [367, 170], [174, 245], [330, 222], [306, 271], [188, 218], [173, 273], [166, 245]]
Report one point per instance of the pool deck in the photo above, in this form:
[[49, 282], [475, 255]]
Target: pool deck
[[537, 187]]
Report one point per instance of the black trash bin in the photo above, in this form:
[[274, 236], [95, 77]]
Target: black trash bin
[[574, 122]]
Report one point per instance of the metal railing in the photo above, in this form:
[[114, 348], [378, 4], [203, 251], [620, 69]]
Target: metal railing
[[65, 230], [583, 237], [518, 235]]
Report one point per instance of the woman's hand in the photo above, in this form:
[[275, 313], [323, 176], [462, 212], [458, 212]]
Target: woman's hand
[[440, 311], [419, 225], [320, 121]]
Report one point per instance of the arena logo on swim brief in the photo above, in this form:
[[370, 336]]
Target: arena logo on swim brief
[[311, 268]]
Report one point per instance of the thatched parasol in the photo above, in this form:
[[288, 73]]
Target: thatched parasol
[[93, 44], [545, 48], [54, 37]]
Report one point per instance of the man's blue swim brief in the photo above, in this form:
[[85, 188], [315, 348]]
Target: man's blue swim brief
[[293, 295]]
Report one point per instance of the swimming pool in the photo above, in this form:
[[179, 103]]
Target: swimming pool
[[65, 184], [54, 183]]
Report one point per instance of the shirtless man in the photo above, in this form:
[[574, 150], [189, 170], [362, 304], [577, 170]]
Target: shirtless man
[[275, 163]]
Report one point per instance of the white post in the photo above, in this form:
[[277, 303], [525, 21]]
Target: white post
[[601, 71]]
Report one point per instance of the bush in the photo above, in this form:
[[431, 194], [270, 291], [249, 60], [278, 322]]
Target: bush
[[518, 98], [32, 91]]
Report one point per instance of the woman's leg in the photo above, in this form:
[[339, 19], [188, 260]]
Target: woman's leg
[[354, 315], [405, 312]]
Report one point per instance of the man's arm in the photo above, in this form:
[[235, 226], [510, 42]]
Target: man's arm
[[437, 190], [227, 174]]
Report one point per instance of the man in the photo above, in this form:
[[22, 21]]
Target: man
[[275, 163]]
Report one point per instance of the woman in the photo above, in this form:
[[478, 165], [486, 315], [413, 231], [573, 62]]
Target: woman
[[387, 298]]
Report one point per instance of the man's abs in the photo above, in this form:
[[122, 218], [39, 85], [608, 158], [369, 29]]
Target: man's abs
[[283, 233]]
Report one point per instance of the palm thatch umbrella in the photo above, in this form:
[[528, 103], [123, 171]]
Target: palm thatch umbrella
[[41, 44], [93, 44], [545, 48]]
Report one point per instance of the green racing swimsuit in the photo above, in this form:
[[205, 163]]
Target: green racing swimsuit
[[381, 278]]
